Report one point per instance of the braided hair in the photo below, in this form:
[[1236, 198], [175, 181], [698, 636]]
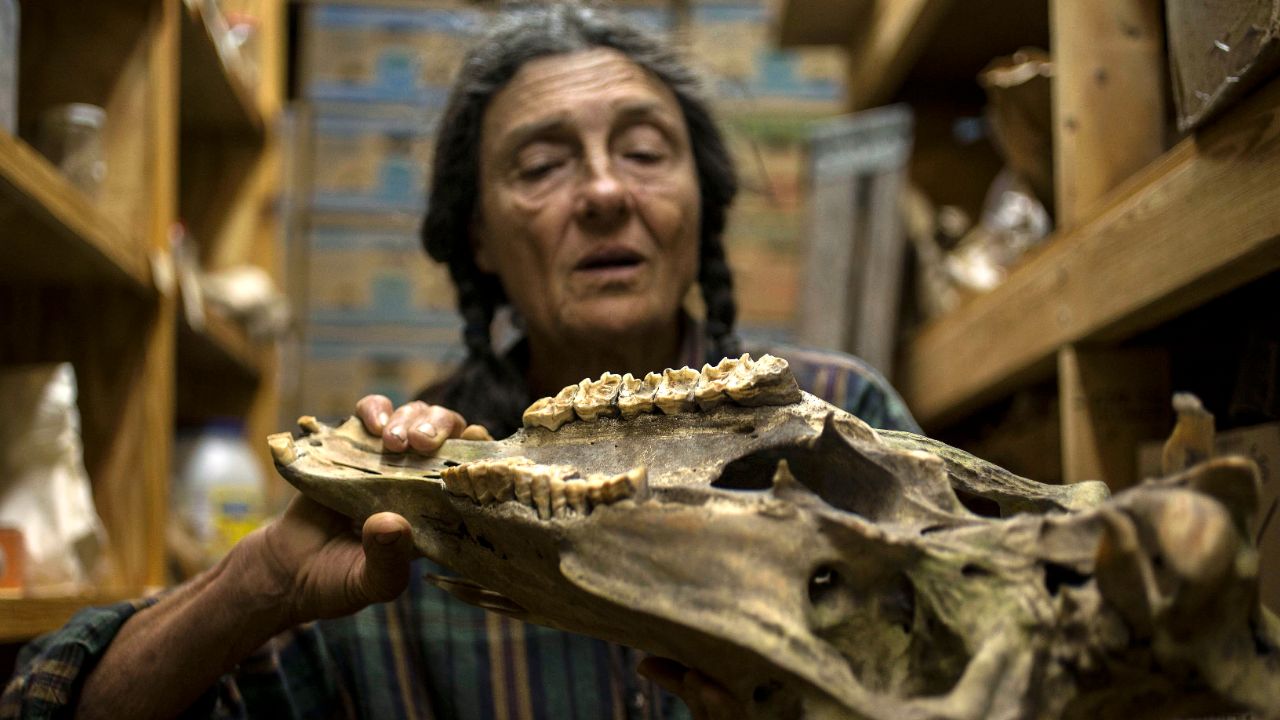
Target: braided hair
[[490, 389]]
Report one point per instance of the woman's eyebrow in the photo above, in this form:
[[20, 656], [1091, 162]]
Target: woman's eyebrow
[[524, 133], [642, 110]]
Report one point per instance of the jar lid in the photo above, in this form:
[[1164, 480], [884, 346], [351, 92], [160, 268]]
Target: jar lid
[[77, 114]]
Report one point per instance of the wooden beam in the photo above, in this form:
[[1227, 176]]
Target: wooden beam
[[886, 45], [1199, 221], [1108, 97], [1110, 401]]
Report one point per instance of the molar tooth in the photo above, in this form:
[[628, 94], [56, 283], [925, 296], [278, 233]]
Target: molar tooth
[[522, 485], [635, 396], [767, 381], [575, 492], [558, 498], [282, 448], [595, 489], [541, 491], [637, 483], [458, 481], [597, 398], [480, 472], [551, 412], [675, 394], [709, 392]]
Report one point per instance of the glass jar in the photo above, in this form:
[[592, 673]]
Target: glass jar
[[70, 136]]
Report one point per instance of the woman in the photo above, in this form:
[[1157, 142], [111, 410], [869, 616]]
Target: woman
[[580, 178]]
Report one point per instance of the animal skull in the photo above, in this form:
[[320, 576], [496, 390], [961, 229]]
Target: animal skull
[[816, 567]]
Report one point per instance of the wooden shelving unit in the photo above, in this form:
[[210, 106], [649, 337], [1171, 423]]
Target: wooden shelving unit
[[91, 281], [1149, 231], [55, 234]]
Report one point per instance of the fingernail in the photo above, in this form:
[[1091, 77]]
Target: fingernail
[[387, 538], [427, 429], [382, 419], [398, 432]]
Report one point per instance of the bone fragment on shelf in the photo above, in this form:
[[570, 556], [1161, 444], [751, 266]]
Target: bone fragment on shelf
[[710, 390], [767, 381], [635, 395], [596, 398], [675, 393], [552, 412]]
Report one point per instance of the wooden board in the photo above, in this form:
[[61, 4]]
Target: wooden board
[[1202, 219], [215, 99], [53, 233], [880, 55], [1111, 400], [1108, 98], [828, 22], [24, 618]]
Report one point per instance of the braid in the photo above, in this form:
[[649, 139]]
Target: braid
[[716, 282], [486, 389]]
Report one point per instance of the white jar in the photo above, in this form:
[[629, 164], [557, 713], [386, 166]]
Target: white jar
[[218, 488]]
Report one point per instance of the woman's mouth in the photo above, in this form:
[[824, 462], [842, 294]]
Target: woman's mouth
[[610, 263]]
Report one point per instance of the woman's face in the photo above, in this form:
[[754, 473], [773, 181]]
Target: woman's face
[[589, 203]]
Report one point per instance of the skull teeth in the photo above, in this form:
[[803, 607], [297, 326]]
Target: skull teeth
[[550, 490], [742, 381]]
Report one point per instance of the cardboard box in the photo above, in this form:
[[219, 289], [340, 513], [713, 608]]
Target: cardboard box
[[378, 163], [1218, 51], [335, 375], [1262, 444], [733, 43], [361, 276], [385, 54]]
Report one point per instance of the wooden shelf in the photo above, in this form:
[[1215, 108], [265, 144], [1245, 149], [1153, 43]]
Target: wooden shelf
[[24, 618], [1201, 220], [222, 347], [215, 100], [828, 22], [54, 233]]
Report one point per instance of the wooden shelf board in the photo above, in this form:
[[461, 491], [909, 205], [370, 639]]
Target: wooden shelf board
[[1201, 220], [221, 346], [215, 100], [24, 618], [54, 233], [824, 22], [892, 38]]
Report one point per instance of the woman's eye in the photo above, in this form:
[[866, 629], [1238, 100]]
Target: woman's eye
[[534, 172], [644, 157]]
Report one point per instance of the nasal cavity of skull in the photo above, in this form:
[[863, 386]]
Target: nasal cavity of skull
[[978, 505], [839, 596]]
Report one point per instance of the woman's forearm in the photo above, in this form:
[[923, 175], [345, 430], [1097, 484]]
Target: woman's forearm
[[166, 656]]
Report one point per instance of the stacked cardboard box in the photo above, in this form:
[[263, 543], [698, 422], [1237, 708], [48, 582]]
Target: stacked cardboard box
[[379, 316]]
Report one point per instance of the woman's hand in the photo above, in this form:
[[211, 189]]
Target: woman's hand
[[706, 699], [316, 566], [414, 426]]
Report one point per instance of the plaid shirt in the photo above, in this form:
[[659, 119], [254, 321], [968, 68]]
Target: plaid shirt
[[426, 654]]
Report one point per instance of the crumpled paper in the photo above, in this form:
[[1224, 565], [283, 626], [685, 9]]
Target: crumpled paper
[[44, 489]]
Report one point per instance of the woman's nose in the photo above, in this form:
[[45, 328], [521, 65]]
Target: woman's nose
[[603, 197]]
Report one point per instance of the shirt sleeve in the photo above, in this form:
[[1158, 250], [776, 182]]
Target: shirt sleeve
[[51, 669], [290, 677]]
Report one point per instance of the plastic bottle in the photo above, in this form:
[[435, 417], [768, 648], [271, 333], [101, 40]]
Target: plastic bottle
[[218, 485], [9, 27]]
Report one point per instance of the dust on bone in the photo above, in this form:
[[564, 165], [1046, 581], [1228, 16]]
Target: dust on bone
[[742, 380]]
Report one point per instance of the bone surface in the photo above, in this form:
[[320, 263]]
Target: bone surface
[[834, 563]]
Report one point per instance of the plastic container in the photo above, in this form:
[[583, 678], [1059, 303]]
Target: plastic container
[[218, 489], [9, 26], [70, 136]]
